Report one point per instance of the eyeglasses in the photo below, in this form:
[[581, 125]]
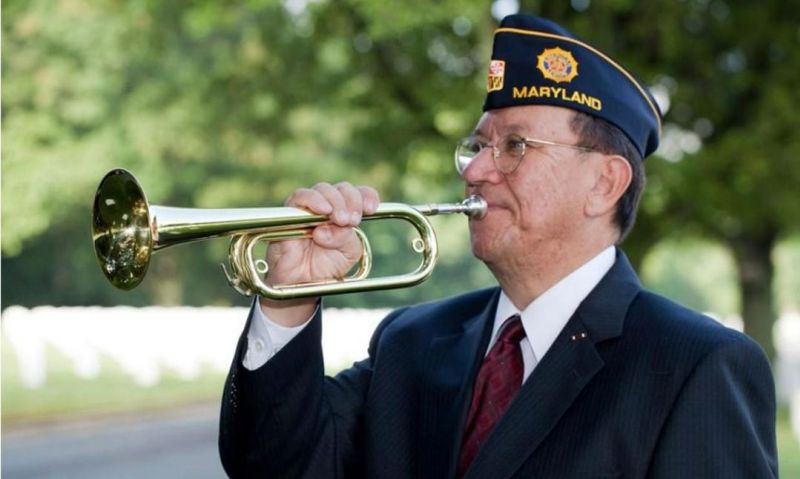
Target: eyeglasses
[[507, 152]]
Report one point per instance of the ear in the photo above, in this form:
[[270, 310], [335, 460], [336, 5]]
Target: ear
[[612, 176]]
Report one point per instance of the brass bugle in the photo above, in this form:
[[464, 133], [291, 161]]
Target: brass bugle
[[127, 230]]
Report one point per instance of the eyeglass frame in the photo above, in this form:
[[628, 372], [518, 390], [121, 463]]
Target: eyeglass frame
[[526, 142]]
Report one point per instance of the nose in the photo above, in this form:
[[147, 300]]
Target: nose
[[482, 169]]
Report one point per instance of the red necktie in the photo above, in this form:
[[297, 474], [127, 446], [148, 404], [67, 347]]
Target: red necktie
[[498, 381]]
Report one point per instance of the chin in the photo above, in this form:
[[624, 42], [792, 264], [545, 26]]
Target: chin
[[482, 247], [491, 235]]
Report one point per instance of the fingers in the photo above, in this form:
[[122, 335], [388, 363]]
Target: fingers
[[340, 214], [311, 200], [370, 199], [353, 202], [343, 203]]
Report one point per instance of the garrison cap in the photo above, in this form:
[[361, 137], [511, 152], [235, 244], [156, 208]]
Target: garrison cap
[[537, 62]]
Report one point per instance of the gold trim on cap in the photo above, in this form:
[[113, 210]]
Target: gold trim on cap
[[537, 33]]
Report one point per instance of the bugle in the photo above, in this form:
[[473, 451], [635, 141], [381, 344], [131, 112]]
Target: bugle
[[127, 230]]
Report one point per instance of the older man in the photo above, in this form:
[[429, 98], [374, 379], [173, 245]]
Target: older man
[[569, 369]]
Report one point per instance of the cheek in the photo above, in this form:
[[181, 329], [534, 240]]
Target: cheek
[[534, 200], [547, 203]]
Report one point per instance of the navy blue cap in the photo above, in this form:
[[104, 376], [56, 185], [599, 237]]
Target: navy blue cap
[[537, 62]]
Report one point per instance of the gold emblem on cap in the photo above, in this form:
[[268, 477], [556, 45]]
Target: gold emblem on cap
[[497, 71], [557, 65]]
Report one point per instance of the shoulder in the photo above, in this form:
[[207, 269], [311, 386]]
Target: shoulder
[[437, 317], [652, 310], [682, 336]]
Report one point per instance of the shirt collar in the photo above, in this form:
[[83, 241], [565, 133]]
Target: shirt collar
[[545, 317]]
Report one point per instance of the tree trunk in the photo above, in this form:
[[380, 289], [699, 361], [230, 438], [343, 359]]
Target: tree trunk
[[753, 256]]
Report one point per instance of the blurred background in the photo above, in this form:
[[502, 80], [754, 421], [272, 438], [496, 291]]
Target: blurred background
[[216, 104]]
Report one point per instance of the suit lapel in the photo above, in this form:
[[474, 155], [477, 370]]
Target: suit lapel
[[567, 367], [449, 369]]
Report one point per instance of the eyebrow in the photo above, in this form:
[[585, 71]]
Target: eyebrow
[[477, 132], [514, 128]]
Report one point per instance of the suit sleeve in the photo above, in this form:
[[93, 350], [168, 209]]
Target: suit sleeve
[[723, 421], [286, 419]]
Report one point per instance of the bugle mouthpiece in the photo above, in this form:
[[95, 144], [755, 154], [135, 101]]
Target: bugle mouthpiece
[[473, 206]]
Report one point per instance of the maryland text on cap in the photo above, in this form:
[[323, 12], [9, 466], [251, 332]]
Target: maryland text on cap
[[536, 62]]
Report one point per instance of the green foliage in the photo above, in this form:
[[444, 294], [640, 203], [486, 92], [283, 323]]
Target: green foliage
[[699, 274], [788, 445], [702, 275], [220, 104], [787, 275]]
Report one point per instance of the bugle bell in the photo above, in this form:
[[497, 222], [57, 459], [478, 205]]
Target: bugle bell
[[126, 230]]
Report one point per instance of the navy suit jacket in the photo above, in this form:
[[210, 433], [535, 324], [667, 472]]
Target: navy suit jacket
[[651, 389]]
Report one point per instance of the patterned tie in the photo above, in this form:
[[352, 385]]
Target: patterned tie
[[498, 381]]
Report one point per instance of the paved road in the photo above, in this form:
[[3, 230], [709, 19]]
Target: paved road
[[165, 445]]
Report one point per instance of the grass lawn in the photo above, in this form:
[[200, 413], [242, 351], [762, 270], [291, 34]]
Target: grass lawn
[[788, 447]]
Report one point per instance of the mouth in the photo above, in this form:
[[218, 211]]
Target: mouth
[[492, 204], [491, 209]]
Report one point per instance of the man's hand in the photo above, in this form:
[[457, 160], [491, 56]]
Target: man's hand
[[330, 253]]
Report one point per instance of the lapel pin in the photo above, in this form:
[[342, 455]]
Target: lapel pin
[[579, 336]]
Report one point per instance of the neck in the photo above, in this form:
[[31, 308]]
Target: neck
[[525, 277]]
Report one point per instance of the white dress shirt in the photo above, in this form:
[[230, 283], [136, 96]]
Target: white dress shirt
[[543, 319], [266, 337]]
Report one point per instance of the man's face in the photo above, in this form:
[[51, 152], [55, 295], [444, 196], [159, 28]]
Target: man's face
[[540, 204]]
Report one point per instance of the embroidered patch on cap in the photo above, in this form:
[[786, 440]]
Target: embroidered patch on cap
[[557, 65], [497, 70]]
